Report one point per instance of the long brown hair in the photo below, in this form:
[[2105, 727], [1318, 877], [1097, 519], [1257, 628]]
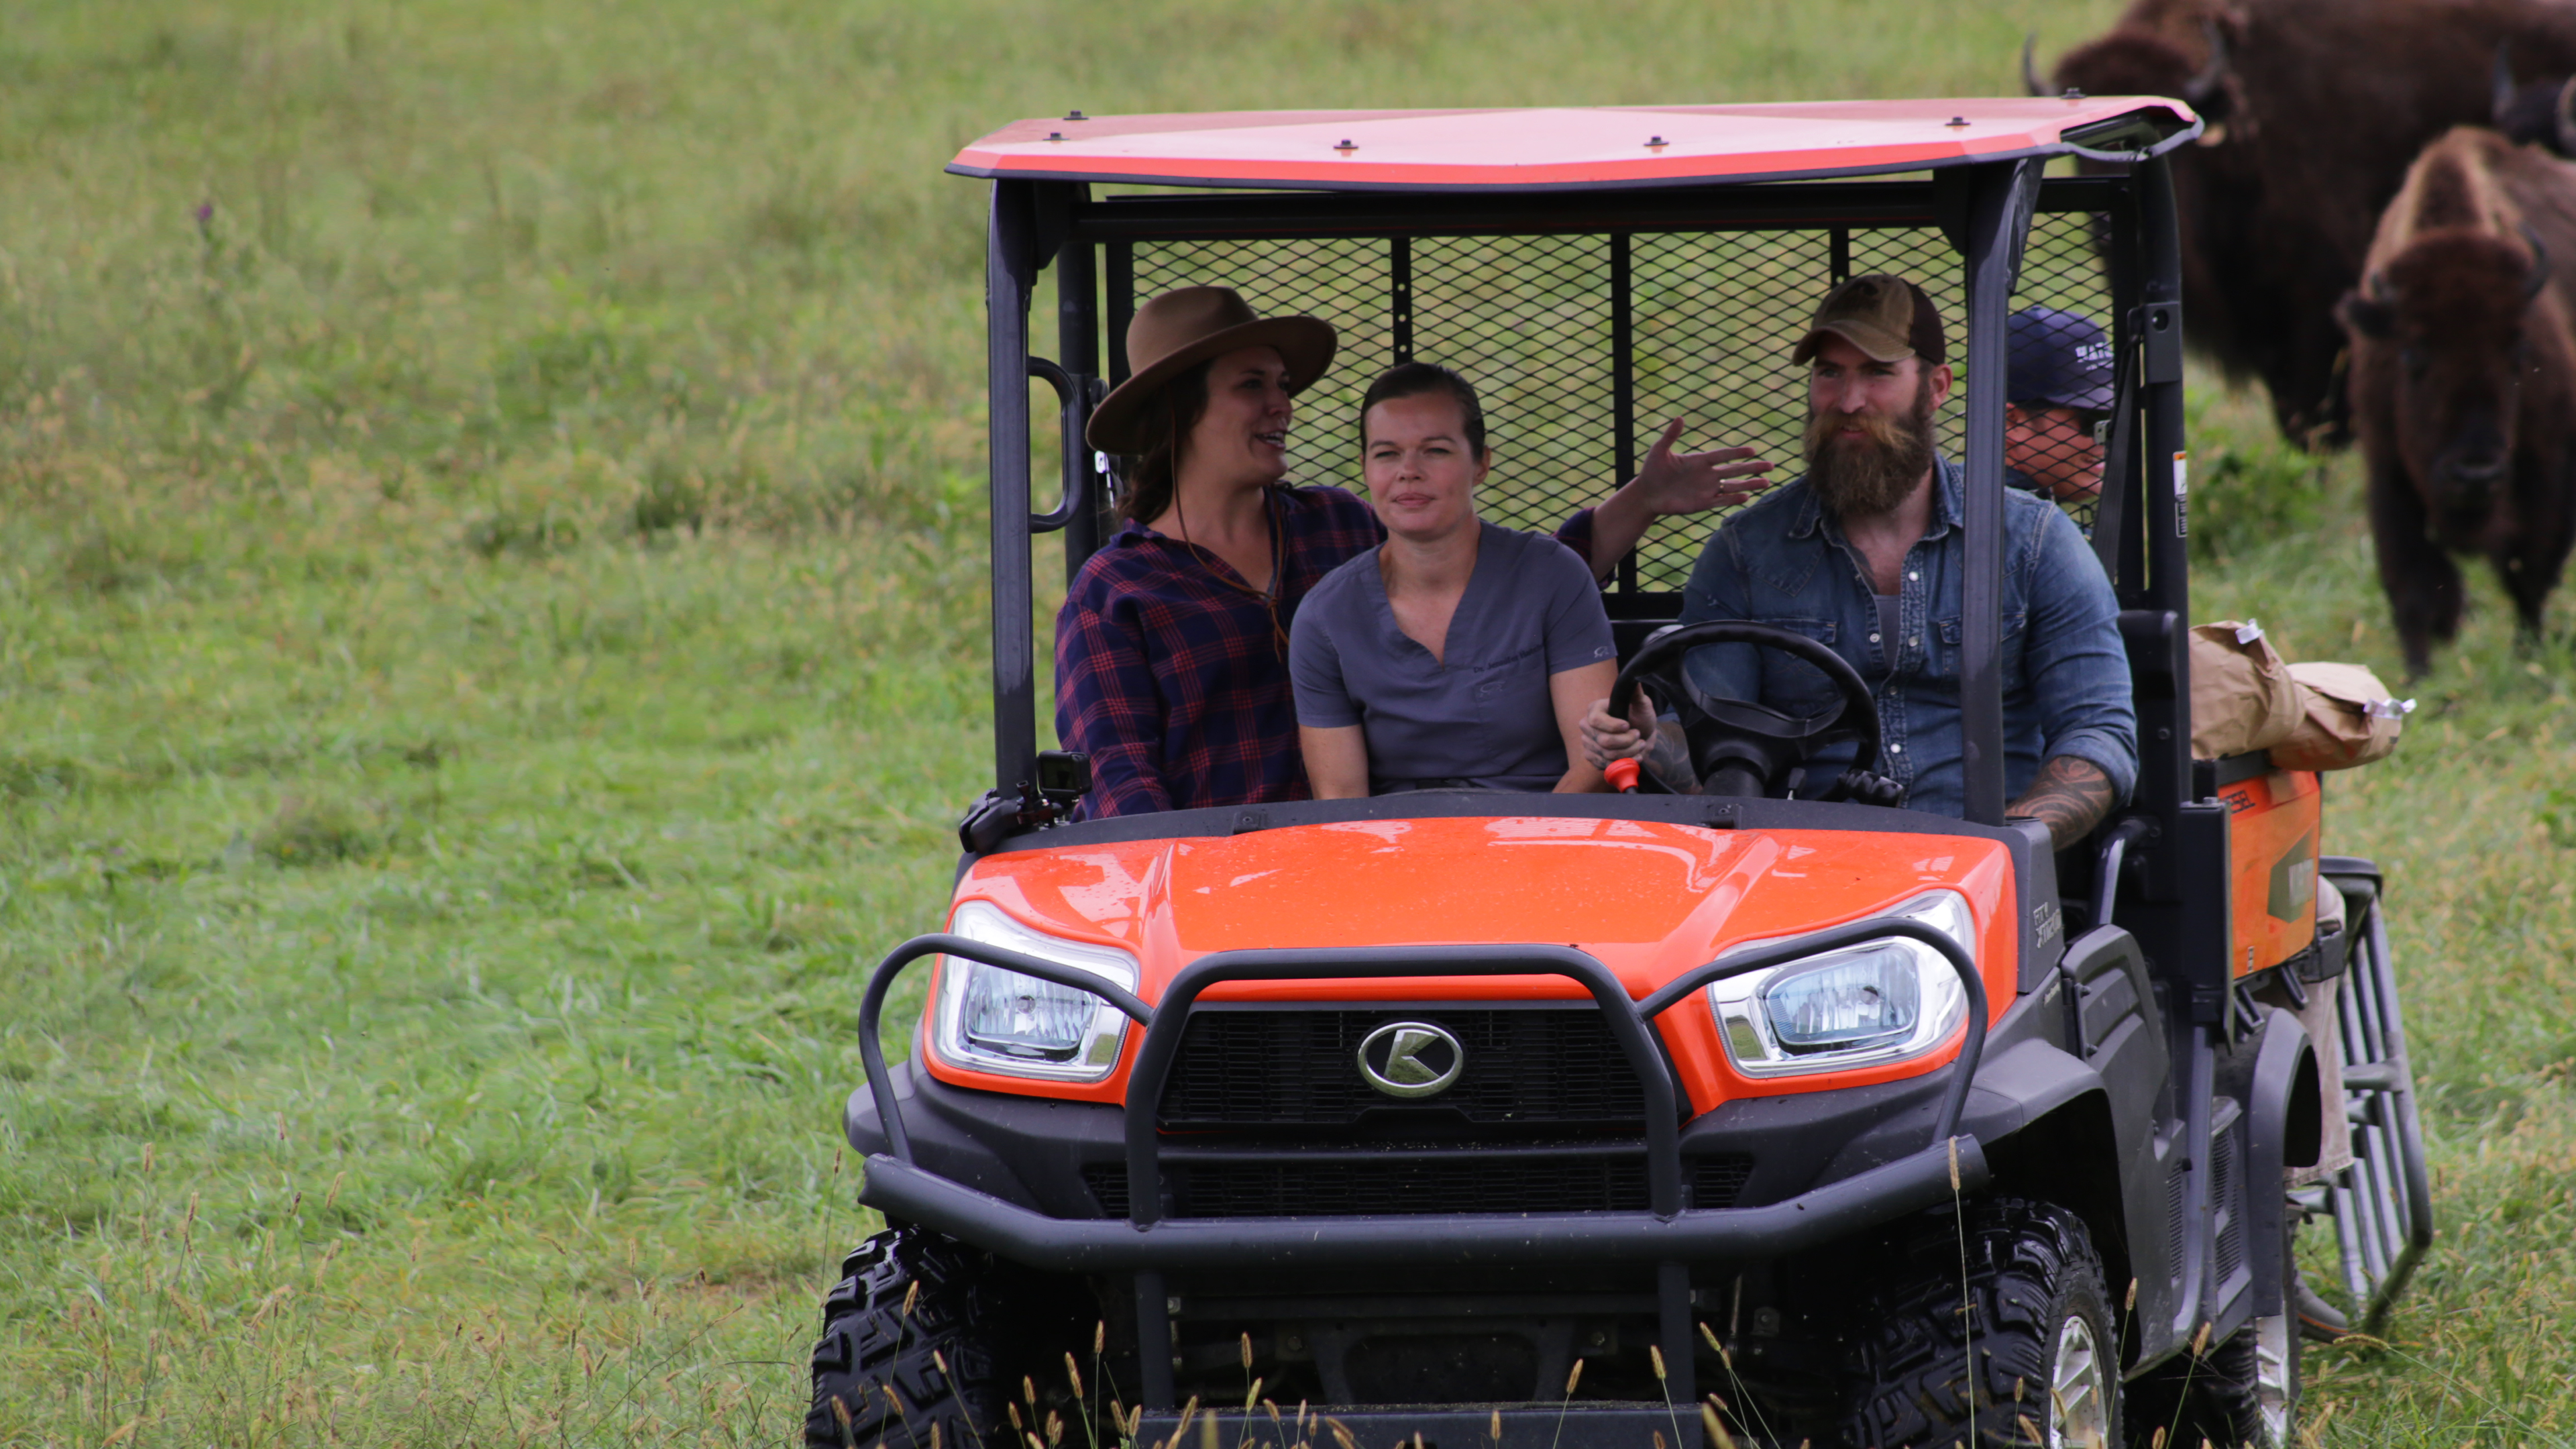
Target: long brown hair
[[1167, 417]]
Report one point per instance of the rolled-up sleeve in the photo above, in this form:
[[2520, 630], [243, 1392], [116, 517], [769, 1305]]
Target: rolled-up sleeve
[[1578, 627], [2074, 662], [1315, 668], [1108, 705], [1576, 533]]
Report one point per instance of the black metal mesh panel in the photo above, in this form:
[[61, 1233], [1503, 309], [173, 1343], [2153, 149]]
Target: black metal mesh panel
[[1716, 316], [1532, 321], [1527, 320]]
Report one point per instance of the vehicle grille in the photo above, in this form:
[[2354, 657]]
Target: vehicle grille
[[1273, 1069], [1715, 1181], [2222, 1190], [1449, 1183]]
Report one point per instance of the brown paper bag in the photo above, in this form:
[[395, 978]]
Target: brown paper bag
[[2242, 698], [2347, 718]]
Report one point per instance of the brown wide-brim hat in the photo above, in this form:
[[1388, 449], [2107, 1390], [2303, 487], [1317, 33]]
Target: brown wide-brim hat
[[1181, 329]]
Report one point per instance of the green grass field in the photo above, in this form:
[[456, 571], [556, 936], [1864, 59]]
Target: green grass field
[[491, 648]]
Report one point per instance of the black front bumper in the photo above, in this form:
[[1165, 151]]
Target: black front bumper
[[1933, 1175]]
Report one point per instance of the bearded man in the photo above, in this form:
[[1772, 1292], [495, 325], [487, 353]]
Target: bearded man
[[1866, 554]]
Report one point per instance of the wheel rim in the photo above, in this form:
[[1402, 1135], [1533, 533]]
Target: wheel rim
[[2273, 1346], [2079, 1394]]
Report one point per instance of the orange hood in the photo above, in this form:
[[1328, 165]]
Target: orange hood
[[1649, 900]]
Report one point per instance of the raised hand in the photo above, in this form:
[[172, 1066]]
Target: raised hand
[[1671, 482]]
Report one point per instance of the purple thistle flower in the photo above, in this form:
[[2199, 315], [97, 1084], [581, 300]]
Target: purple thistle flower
[[205, 215]]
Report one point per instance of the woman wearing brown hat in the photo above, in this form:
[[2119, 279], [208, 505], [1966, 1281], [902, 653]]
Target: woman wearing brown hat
[[1171, 648]]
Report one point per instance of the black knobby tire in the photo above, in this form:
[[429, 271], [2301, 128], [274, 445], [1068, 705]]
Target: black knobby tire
[[2218, 1397], [2223, 1395], [1929, 1375], [871, 1344], [2236, 1391]]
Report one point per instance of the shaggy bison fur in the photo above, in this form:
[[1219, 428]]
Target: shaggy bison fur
[[2464, 380], [2315, 108]]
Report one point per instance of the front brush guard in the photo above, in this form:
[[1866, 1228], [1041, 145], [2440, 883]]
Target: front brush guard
[[1666, 1234]]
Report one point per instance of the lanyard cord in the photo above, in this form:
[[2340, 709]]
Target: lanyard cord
[[1269, 597]]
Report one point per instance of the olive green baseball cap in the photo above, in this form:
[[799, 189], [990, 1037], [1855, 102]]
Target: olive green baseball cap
[[1884, 316]]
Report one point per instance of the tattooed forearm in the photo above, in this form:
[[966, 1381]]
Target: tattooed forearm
[[1669, 759], [2070, 796]]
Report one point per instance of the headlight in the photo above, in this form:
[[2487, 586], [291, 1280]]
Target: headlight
[[992, 1020], [1880, 1001]]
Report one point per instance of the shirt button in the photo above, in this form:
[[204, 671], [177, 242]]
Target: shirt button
[[1915, 575], [1917, 639], [1896, 749], [1873, 638]]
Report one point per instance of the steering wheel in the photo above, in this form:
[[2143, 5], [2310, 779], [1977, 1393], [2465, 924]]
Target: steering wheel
[[1738, 747]]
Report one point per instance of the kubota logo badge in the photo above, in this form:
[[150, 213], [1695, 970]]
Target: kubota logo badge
[[1411, 1059]]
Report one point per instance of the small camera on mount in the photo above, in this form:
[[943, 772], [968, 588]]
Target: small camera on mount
[[1064, 777]]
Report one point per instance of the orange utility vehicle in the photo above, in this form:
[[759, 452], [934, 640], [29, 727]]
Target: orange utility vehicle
[[1457, 1118]]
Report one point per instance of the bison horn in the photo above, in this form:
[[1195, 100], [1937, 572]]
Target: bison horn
[[2029, 65], [2199, 88], [2564, 118], [2504, 88], [2539, 277]]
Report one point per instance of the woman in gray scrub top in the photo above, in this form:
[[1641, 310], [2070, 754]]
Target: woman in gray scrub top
[[1456, 653]]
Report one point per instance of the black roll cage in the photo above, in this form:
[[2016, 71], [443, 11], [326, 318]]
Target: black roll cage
[[2158, 871], [1985, 209]]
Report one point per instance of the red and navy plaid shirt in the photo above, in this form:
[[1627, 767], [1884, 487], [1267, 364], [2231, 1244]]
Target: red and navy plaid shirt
[[1171, 674]]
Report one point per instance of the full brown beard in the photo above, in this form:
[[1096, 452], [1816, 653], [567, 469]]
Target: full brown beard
[[1871, 473]]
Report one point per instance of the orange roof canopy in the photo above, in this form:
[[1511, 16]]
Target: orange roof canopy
[[1545, 148]]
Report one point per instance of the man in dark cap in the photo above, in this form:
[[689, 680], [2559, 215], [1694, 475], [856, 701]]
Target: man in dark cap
[[2057, 395], [1867, 554]]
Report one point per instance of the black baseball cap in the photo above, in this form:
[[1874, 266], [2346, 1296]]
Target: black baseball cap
[[2058, 360]]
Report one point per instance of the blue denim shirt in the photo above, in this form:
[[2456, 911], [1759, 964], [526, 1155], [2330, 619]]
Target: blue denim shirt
[[1784, 561]]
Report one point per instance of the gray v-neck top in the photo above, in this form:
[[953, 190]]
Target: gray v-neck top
[[1480, 715]]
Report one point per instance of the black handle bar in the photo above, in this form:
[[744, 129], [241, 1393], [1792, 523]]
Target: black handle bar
[[1071, 412]]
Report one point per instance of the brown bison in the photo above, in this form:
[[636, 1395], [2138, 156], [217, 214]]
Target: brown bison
[[2315, 107], [2464, 380]]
